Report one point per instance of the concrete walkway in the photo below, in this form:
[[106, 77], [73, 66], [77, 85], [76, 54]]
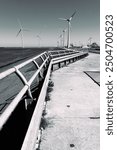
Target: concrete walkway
[[73, 113]]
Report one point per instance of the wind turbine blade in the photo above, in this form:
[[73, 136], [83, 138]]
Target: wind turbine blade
[[38, 37], [60, 36], [25, 29], [19, 22], [72, 15], [18, 33], [63, 19]]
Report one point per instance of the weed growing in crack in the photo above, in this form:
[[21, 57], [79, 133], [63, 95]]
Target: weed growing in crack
[[49, 89], [45, 123]]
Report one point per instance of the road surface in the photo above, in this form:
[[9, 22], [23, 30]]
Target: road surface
[[73, 112]]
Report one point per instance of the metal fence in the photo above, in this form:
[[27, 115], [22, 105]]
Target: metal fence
[[34, 132]]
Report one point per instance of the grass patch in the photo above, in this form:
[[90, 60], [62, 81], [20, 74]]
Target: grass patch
[[51, 84], [44, 112], [45, 123], [49, 89], [47, 97]]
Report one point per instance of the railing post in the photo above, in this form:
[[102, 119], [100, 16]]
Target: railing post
[[59, 65], [65, 62], [23, 79], [52, 68]]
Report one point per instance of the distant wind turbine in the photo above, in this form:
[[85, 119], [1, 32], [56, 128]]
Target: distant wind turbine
[[69, 24], [90, 40], [64, 37], [21, 32], [57, 43], [61, 37]]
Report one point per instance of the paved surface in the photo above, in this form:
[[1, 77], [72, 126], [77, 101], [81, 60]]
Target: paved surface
[[73, 116]]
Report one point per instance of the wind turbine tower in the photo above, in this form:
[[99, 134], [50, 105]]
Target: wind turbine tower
[[21, 32], [61, 39], [57, 43], [64, 37], [69, 24]]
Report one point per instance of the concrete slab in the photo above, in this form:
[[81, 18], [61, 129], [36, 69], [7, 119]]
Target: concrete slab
[[73, 112]]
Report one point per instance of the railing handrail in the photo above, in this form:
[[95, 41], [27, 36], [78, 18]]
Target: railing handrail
[[67, 56], [57, 50], [65, 52], [12, 70], [61, 51], [60, 54]]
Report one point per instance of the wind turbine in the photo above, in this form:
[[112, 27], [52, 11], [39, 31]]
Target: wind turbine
[[90, 40], [57, 43], [64, 37], [39, 39], [21, 32], [61, 37], [69, 24]]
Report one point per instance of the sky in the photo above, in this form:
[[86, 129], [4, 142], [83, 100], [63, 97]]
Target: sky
[[40, 17]]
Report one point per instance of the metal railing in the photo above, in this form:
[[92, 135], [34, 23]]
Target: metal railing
[[34, 131], [60, 53], [45, 57], [26, 88], [64, 60]]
